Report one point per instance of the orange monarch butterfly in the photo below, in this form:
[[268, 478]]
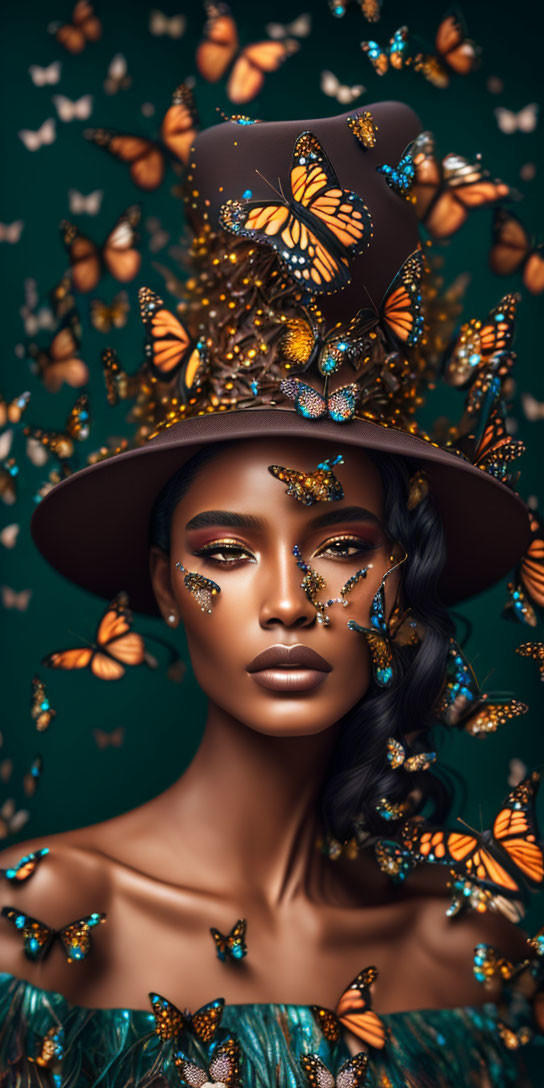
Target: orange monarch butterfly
[[118, 255], [59, 362], [445, 192], [478, 340], [38, 938], [169, 347], [170, 1021], [505, 860], [315, 228], [146, 158], [453, 53], [220, 48], [353, 1012], [527, 590], [85, 27], [115, 645], [513, 251]]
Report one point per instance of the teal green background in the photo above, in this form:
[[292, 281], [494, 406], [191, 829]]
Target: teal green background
[[80, 783]]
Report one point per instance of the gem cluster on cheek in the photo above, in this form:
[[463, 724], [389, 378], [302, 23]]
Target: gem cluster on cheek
[[204, 590], [313, 582]]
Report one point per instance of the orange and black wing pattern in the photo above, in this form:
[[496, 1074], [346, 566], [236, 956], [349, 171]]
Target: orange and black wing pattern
[[515, 830], [60, 362], [219, 49], [464, 853], [144, 157], [531, 569], [400, 312], [353, 1011], [446, 191], [496, 448], [121, 256], [180, 123], [84, 256], [115, 646], [168, 343], [512, 251]]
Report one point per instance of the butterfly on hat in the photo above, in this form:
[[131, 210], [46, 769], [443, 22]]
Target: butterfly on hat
[[314, 228], [170, 349]]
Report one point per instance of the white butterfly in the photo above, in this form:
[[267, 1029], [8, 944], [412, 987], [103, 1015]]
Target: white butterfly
[[44, 318], [85, 205], [532, 409], [331, 85], [12, 599], [524, 121], [173, 26], [11, 232], [9, 534], [5, 445], [117, 78], [36, 451], [42, 76], [80, 110], [299, 28], [46, 134]]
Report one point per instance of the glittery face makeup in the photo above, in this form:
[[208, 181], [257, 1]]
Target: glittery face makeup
[[321, 485]]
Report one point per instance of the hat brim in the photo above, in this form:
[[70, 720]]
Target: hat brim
[[93, 527]]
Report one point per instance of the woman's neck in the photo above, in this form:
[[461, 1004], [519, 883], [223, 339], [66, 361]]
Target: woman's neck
[[247, 807]]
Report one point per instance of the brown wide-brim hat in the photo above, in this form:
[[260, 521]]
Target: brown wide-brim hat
[[94, 526]]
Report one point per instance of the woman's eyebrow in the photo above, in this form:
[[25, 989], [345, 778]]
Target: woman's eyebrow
[[229, 519], [342, 514]]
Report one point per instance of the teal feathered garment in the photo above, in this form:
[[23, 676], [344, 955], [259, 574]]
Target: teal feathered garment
[[118, 1048]]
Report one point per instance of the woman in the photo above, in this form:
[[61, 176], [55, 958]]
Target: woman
[[263, 531]]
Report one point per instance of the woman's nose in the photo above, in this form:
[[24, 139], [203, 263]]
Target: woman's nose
[[283, 599]]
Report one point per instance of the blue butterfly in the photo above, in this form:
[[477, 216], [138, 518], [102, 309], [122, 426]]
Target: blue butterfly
[[400, 178], [340, 405]]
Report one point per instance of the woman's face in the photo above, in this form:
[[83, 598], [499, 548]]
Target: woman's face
[[237, 526]]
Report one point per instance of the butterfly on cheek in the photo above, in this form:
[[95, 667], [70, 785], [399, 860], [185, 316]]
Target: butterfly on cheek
[[315, 228]]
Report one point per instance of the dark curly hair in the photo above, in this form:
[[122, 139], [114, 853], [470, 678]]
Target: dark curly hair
[[360, 775]]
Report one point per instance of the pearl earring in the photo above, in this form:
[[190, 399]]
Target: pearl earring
[[171, 618]]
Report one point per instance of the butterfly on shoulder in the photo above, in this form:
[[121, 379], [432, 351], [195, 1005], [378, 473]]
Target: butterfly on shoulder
[[62, 443], [397, 54], [506, 860], [38, 938], [119, 384], [351, 1074], [478, 340], [170, 349], [446, 190], [315, 228], [59, 362], [513, 252], [453, 53], [233, 946], [146, 158], [25, 867], [220, 51], [115, 645], [171, 1021], [84, 28], [118, 255], [222, 1066], [462, 704], [526, 592], [353, 1011]]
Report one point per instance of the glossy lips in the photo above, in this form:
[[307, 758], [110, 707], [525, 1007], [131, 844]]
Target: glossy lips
[[289, 668]]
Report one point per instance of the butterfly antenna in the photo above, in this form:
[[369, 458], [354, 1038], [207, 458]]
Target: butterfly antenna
[[470, 827], [277, 192], [77, 635], [371, 300]]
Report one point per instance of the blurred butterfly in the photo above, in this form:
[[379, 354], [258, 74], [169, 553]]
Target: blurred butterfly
[[6, 441], [61, 297], [299, 28], [478, 340], [36, 453], [11, 820], [85, 27], [170, 1021], [50, 1050], [119, 384], [76, 429], [527, 592], [233, 946], [169, 347], [117, 78], [9, 534], [32, 776], [41, 319], [400, 178], [445, 192], [158, 237], [45, 135], [514, 1038], [6, 770], [371, 9], [220, 50], [397, 54], [9, 470], [454, 53], [340, 405], [525, 120], [315, 228], [41, 77], [40, 708], [115, 645], [118, 255], [489, 965], [331, 86], [513, 251], [105, 316], [80, 110], [462, 704], [354, 1012], [534, 650], [109, 740], [533, 409], [85, 205], [222, 1068], [11, 412], [394, 860], [147, 158], [351, 1074], [59, 362], [25, 867], [172, 26], [517, 770], [12, 599], [504, 860], [11, 232], [397, 756], [38, 938]]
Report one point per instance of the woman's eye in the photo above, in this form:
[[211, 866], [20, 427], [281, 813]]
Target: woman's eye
[[345, 548], [225, 554]]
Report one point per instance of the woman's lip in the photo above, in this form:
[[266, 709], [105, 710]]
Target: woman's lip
[[289, 679]]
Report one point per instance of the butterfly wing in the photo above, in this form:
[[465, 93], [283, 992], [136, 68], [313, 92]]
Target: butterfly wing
[[69, 659], [76, 936], [531, 570], [341, 403], [169, 1021], [309, 402], [220, 42], [515, 830], [144, 157], [168, 344], [453, 47], [25, 867], [84, 257], [225, 1064], [354, 1011], [37, 937], [533, 273], [465, 854], [510, 243], [180, 123], [115, 639], [400, 311], [247, 77], [207, 1019], [121, 257], [428, 175], [490, 714]]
